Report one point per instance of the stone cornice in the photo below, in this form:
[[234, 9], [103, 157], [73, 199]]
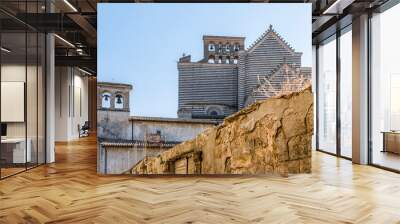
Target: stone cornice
[[171, 120], [114, 85]]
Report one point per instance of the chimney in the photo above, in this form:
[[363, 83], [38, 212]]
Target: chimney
[[185, 58]]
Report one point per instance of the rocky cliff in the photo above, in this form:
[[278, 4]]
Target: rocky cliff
[[270, 136]]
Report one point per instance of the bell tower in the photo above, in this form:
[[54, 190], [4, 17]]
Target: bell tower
[[113, 96], [113, 110], [222, 49]]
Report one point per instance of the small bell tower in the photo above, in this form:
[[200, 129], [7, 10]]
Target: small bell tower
[[113, 96]]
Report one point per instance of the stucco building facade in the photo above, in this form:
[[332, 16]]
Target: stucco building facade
[[124, 140]]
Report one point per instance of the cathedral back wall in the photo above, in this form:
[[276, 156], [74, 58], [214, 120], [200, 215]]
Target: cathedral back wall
[[229, 76], [205, 89]]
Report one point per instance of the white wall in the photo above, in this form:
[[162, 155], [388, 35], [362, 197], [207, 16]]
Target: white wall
[[12, 73], [71, 102], [33, 126], [80, 103], [171, 131], [17, 73]]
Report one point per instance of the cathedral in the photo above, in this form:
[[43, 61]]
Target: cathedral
[[230, 77]]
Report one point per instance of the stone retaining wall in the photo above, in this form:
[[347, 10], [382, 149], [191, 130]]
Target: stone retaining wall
[[270, 136]]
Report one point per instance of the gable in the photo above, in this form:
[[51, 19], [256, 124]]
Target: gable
[[283, 79], [271, 41]]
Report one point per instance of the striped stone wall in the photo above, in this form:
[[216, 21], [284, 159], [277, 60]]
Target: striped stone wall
[[227, 88], [266, 56], [203, 85], [242, 79]]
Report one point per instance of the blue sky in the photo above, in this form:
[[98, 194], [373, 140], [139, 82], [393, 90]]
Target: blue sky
[[141, 43]]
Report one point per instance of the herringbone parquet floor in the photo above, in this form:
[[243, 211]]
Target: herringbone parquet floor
[[69, 191]]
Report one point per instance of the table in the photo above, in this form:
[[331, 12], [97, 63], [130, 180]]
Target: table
[[391, 141], [13, 150]]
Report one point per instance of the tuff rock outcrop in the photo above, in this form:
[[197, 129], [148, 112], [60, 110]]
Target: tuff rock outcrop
[[269, 136]]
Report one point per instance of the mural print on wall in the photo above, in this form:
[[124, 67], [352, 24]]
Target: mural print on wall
[[240, 103]]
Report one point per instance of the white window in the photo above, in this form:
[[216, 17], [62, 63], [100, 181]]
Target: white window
[[220, 60], [211, 47], [227, 47], [119, 102], [106, 100], [235, 61], [211, 60], [227, 60], [236, 47]]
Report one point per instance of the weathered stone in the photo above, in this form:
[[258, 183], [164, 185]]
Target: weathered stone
[[305, 165], [270, 136], [294, 166], [298, 147]]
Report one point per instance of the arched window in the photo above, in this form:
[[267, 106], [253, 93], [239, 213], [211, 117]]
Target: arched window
[[220, 47], [220, 60], [106, 100], [227, 47], [211, 47], [213, 113], [227, 60], [211, 59], [235, 60], [236, 47], [119, 102]]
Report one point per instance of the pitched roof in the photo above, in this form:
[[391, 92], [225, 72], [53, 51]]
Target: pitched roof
[[273, 33]]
